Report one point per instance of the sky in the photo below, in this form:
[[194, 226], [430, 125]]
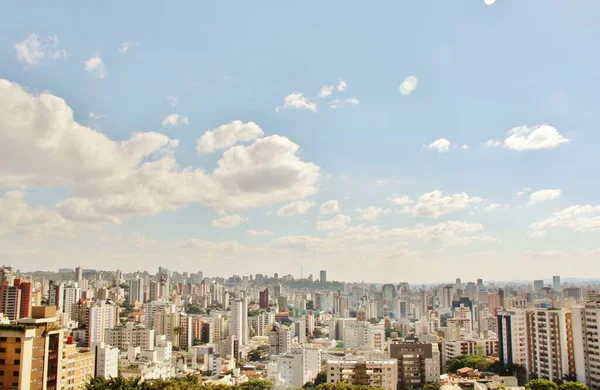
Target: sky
[[385, 142]]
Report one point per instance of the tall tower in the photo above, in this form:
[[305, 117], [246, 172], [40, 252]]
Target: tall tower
[[323, 276], [556, 283]]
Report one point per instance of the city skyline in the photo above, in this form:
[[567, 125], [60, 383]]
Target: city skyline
[[365, 143]]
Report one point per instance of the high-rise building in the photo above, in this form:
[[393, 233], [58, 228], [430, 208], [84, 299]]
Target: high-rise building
[[556, 283], [550, 348], [280, 340], [323, 276], [238, 324], [263, 300], [79, 275], [136, 291], [538, 285], [26, 297], [31, 351], [10, 302], [100, 316], [587, 343], [512, 338], [417, 363]]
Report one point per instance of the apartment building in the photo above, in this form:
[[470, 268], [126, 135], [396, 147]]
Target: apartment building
[[512, 338], [130, 335], [376, 373], [586, 321], [417, 363], [30, 351], [550, 347], [77, 366]]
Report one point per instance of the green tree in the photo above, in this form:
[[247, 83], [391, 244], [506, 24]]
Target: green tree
[[572, 386], [256, 384], [541, 384], [317, 333], [476, 362], [432, 386], [321, 378]]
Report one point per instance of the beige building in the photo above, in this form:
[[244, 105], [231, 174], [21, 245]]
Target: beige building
[[587, 344], [130, 335], [376, 373], [418, 363], [77, 367]]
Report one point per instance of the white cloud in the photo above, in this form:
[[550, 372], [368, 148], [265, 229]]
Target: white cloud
[[534, 138], [581, 219], [442, 145], [326, 90], [173, 120], [489, 2], [297, 101], [294, 208], [400, 200], [337, 103], [259, 233], [96, 66], [339, 222], [492, 144], [228, 221], [543, 195], [302, 243], [330, 207], [464, 147], [42, 146], [228, 135], [371, 213], [434, 205], [492, 207], [444, 231], [342, 86], [173, 100], [35, 49], [125, 46], [408, 85], [226, 248], [523, 191]]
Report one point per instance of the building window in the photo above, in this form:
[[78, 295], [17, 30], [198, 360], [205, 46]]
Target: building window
[[15, 373], [3, 339], [17, 350], [1, 372], [2, 350], [17, 362]]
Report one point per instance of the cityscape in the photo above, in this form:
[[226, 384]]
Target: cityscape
[[320, 194], [61, 329]]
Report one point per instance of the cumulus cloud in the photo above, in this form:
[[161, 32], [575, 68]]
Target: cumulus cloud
[[95, 65], [173, 120], [338, 103], [492, 207], [543, 196], [524, 138], [297, 101], [326, 90], [302, 243], [294, 208], [371, 213], [43, 146], [95, 116], [228, 135], [18, 217], [330, 207], [581, 219], [408, 85], [442, 145], [449, 230], [259, 233], [228, 221], [226, 248], [342, 85], [339, 222], [434, 204], [36, 49], [400, 200]]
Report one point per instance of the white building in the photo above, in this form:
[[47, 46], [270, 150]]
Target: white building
[[136, 291], [153, 307], [312, 360], [432, 365], [587, 344], [107, 361], [130, 335], [101, 316], [362, 335], [238, 324], [176, 326], [289, 369]]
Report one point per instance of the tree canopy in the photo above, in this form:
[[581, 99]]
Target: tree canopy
[[541, 384], [572, 386], [476, 362]]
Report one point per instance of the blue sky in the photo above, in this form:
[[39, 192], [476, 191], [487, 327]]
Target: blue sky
[[482, 70]]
